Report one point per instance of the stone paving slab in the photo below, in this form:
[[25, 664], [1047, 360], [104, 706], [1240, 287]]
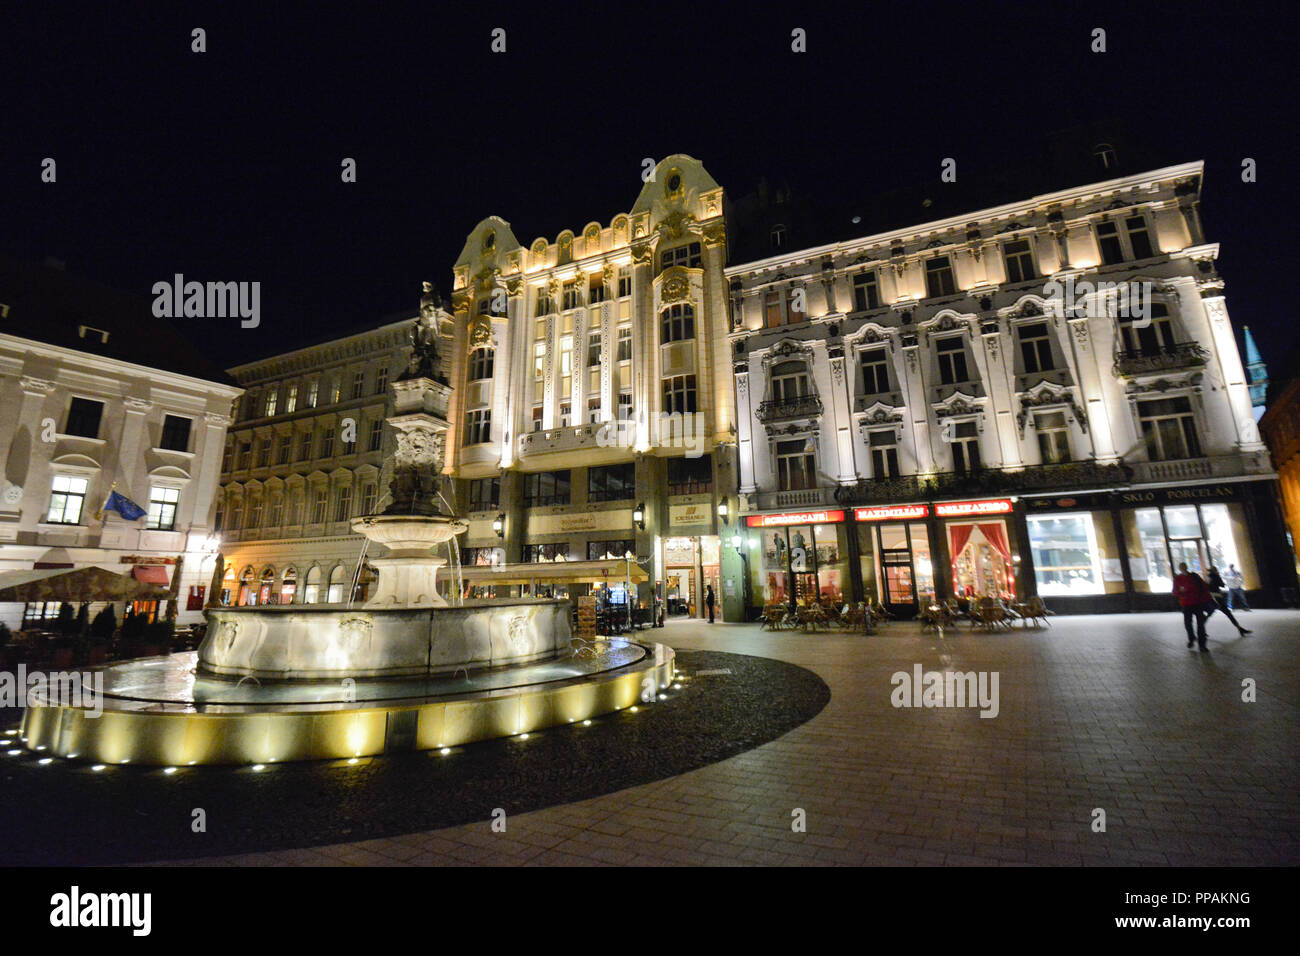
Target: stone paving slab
[[1109, 712]]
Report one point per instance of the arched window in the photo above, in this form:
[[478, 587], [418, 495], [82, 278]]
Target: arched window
[[311, 595], [335, 593], [247, 593], [480, 363], [266, 586], [288, 585], [677, 323]]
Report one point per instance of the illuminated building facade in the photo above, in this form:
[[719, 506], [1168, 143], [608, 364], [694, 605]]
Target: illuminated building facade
[[965, 407]]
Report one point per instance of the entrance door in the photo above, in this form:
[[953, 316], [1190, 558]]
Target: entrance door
[[897, 573]]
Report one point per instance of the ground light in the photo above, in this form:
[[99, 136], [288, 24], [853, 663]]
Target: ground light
[[586, 723], [98, 767], [44, 760], [169, 771], [444, 751], [258, 768], [13, 753]]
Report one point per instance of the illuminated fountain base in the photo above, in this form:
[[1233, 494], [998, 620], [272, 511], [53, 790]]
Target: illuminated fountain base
[[165, 711]]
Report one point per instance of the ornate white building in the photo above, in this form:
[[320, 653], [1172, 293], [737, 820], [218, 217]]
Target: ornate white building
[[95, 396], [960, 407]]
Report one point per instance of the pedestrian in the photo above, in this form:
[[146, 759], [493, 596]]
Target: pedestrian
[[708, 599], [1194, 598], [1236, 588], [1215, 584]]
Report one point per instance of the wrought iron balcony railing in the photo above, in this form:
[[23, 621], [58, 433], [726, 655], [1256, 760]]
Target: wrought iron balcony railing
[[1064, 476], [1180, 355], [801, 406]]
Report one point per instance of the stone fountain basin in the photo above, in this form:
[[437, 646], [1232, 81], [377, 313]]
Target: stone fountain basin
[[405, 533], [329, 642]]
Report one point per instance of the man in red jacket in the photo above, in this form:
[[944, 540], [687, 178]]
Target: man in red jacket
[[1194, 597]]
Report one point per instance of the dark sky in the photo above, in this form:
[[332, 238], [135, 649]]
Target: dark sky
[[225, 165]]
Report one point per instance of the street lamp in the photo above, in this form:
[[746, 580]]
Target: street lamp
[[738, 543], [499, 525], [723, 509], [638, 515], [627, 589]]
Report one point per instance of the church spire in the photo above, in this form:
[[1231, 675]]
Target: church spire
[[1256, 374]]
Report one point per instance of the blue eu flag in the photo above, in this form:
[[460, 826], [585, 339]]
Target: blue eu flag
[[124, 506]]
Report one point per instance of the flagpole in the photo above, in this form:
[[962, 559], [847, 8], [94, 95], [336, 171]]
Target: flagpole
[[99, 515]]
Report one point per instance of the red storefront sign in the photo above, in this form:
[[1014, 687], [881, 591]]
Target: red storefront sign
[[891, 513], [801, 517], [970, 509]]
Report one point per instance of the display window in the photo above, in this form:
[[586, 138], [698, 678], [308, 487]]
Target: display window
[[1199, 536], [1067, 559], [803, 563], [982, 563]]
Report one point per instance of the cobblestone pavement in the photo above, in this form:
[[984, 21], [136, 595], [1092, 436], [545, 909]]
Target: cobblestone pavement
[[1109, 712]]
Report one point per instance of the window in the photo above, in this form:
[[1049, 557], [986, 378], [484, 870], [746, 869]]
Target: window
[[1104, 153], [866, 293], [228, 457], [610, 550], [789, 381], [1019, 260], [313, 393], [545, 553], [795, 465], [369, 497], [376, 435], [485, 494], [277, 510], [485, 306], [625, 405], [796, 309], [1169, 429], [677, 324], [611, 482], [311, 593], [67, 498], [690, 476], [1035, 347], [1156, 337], [245, 455], [286, 444], [1053, 437], [318, 506], [381, 381], [965, 448], [679, 394], [1066, 558], [358, 384], [478, 426], [566, 413], [304, 446], [175, 433], [952, 360], [772, 316], [335, 593], [545, 305], [688, 256], [350, 444], [84, 416], [593, 350], [546, 488], [291, 399], [938, 277], [570, 295], [295, 508], [537, 418], [327, 444], [593, 406], [596, 289], [219, 519], [875, 371], [335, 385], [271, 398], [343, 504], [624, 281], [481, 361], [264, 452], [1132, 242], [254, 519], [625, 343], [884, 453]]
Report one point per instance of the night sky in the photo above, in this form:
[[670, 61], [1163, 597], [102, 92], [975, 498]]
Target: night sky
[[225, 165]]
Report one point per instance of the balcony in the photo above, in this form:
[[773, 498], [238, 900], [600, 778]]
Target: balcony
[[1142, 361], [801, 406], [1065, 476], [804, 498], [1202, 469]]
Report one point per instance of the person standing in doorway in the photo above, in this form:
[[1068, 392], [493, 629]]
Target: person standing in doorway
[[1215, 584], [1194, 598], [708, 600], [1236, 588]]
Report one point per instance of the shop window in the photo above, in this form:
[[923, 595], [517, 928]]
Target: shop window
[[610, 550], [546, 553], [982, 563], [1066, 557], [1169, 429], [288, 586], [1053, 437]]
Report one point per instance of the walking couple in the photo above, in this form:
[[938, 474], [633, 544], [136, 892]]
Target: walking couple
[[1199, 600]]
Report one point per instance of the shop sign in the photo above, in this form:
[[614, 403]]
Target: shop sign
[[891, 513], [689, 514], [144, 559], [1069, 501], [801, 517], [967, 509], [581, 521], [1178, 494]]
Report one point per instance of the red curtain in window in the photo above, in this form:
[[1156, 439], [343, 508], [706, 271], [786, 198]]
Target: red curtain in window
[[958, 535], [997, 537]]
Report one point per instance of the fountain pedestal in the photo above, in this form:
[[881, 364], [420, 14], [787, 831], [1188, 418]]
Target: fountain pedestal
[[408, 575]]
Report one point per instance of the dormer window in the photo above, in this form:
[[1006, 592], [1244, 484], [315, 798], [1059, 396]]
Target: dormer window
[[779, 237], [1104, 153], [92, 334]]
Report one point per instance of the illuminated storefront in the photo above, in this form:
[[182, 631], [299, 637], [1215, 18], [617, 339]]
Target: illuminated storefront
[[802, 557]]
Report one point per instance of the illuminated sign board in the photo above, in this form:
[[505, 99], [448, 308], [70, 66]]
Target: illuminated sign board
[[891, 513], [802, 517], [966, 509]]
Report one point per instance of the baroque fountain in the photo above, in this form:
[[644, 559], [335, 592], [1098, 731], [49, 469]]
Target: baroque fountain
[[408, 670]]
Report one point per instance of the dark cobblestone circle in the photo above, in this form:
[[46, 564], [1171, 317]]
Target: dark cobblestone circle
[[63, 813]]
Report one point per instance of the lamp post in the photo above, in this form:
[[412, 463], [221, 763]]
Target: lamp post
[[627, 589], [499, 525], [738, 542]]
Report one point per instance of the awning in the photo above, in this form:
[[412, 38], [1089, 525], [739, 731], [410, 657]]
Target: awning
[[151, 574], [80, 584], [573, 572]]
